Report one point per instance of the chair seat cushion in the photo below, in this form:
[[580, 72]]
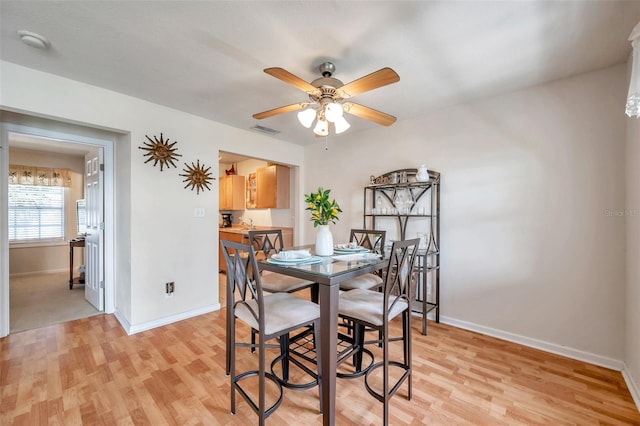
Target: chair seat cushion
[[366, 281], [282, 311], [367, 306], [273, 282]]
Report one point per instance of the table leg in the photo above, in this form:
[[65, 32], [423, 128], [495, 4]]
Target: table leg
[[328, 341], [70, 266]]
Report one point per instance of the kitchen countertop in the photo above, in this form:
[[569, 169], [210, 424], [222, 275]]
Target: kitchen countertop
[[245, 230]]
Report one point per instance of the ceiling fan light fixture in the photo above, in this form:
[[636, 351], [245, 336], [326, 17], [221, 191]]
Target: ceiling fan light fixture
[[333, 112], [306, 117], [322, 128], [327, 99], [341, 125], [633, 98]]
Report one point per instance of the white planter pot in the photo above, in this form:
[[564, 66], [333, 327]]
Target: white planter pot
[[324, 241]]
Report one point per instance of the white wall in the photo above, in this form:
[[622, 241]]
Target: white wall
[[527, 250], [632, 217], [158, 239]]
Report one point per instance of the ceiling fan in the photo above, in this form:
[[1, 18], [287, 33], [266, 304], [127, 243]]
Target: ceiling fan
[[327, 98]]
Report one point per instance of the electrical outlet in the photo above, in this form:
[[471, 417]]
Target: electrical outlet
[[170, 287]]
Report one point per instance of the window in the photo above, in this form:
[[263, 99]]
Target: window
[[81, 216], [36, 213]]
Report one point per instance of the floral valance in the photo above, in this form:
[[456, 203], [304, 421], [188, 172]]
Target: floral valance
[[39, 176]]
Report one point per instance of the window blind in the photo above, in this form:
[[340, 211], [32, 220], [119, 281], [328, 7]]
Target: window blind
[[36, 213]]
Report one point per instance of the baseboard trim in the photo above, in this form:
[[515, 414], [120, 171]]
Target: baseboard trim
[[48, 271], [122, 320], [634, 388], [579, 355], [133, 329]]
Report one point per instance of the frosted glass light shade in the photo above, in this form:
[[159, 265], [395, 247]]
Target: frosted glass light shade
[[633, 98], [341, 125], [306, 117], [333, 112], [322, 128]]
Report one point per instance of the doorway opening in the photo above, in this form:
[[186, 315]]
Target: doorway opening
[[35, 288]]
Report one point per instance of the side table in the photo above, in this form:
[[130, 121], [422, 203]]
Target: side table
[[76, 242]]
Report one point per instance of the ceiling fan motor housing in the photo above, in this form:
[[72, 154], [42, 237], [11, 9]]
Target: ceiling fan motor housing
[[326, 84], [327, 69]]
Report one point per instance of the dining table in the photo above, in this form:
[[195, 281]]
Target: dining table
[[328, 272]]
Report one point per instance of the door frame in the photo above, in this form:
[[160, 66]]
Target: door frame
[[109, 211]]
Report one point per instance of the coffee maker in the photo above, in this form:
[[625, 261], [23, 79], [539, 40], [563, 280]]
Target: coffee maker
[[227, 220]]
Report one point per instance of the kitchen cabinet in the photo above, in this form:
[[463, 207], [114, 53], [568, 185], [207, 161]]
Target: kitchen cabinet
[[272, 187], [391, 202], [235, 236], [231, 192]]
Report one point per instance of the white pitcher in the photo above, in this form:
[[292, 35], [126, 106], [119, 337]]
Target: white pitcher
[[423, 174]]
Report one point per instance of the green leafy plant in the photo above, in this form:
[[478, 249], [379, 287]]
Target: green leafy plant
[[323, 210]]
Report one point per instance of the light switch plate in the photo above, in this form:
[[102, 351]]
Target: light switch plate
[[198, 212]]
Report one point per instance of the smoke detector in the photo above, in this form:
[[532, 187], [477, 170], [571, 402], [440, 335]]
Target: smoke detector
[[34, 40]]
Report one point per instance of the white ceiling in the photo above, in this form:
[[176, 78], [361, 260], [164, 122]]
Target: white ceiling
[[207, 57], [35, 143]]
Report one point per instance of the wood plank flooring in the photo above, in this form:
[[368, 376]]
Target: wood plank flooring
[[90, 372]]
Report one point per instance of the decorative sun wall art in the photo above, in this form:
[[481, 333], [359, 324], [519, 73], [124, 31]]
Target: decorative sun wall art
[[197, 176], [160, 151]]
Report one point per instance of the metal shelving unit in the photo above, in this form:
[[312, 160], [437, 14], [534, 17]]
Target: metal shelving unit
[[395, 201]]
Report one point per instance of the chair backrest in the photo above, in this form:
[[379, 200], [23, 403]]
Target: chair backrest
[[373, 239], [242, 281], [400, 272], [266, 243]]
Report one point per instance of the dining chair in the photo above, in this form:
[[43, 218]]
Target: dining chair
[[372, 239], [372, 309], [265, 244], [270, 315]]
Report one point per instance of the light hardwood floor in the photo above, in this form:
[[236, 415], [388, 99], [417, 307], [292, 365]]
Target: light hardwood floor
[[89, 372]]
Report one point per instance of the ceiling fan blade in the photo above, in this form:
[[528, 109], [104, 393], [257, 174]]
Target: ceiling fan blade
[[368, 113], [372, 81], [293, 80], [281, 110]]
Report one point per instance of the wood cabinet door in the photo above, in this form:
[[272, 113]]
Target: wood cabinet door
[[224, 189], [266, 187], [236, 192], [229, 236], [231, 189], [272, 187]]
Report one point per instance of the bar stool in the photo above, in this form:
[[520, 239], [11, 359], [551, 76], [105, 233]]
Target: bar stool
[[271, 316], [267, 243], [374, 310], [372, 239]]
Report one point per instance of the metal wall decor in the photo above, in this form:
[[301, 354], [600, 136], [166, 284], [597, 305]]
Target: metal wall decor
[[197, 176], [160, 151]]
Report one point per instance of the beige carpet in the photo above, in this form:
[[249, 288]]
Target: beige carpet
[[38, 300]]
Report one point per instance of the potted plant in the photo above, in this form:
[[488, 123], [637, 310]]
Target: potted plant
[[323, 211]]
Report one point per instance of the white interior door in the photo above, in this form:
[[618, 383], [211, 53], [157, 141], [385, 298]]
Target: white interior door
[[94, 240]]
